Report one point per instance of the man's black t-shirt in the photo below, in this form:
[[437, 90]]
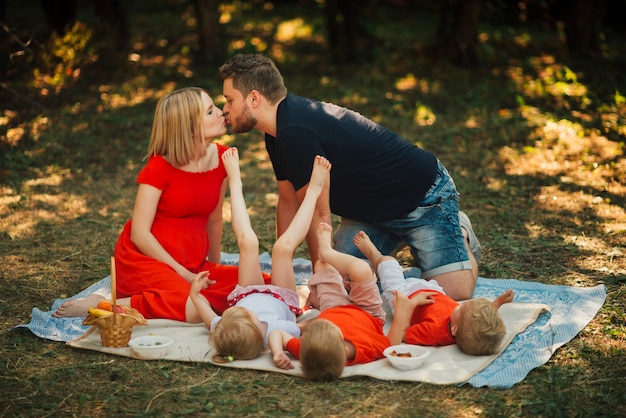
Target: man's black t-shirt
[[376, 175]]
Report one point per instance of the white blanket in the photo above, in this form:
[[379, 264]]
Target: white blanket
[[446, 365], [540, 320]]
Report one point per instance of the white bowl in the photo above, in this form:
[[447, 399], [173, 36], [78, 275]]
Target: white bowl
[[418, 355], [151, 346]]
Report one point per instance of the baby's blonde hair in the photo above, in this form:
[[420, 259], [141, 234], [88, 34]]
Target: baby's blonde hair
[[236, 336], [480, 329], [177, 126], [322, 351]]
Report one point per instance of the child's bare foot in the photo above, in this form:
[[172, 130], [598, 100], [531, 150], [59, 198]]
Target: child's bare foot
[[77, 307], [319, 175], [367, 247], [231, 163], [324, 239], [505, 297]]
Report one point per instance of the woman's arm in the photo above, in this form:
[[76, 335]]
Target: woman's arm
[[141, 235]]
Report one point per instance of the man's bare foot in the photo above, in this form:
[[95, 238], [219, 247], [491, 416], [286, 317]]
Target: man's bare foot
[[324, 239], [230, 157], [505, 297], [319, 175], [77, 307]]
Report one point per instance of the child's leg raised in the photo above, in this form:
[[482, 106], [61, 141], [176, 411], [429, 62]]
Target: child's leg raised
[[388, 268], [362, 242], [354, 268], [249, 272], [284, 247]]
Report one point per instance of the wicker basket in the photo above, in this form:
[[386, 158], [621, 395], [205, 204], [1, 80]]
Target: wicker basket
[[115, 329]]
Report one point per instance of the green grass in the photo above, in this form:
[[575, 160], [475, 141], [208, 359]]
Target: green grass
[[541, 171]]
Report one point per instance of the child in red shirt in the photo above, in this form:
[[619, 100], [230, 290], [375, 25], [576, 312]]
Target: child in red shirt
[[425, 315], [349, 328]]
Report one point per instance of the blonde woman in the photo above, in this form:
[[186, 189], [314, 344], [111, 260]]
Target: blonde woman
[[176, 228]]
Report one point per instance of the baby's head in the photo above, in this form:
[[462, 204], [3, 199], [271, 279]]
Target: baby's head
[[322, 351], [479, 327], [237, 336]]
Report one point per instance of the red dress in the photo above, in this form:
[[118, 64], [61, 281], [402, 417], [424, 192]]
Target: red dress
[[186, 202]]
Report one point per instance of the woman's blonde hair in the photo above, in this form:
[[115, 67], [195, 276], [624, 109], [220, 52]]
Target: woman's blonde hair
[[480, 329], [177, 127], [322, 351], [236, 336]]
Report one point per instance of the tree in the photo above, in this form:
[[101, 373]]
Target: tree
[[582, 28], [346, 31], [113, 21], [60, 14], [458, 30], [210, 38]]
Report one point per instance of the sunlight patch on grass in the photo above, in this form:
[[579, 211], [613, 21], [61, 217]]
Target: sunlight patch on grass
[[424, 116], [38, 201], [563, 147], [271, 199], [548, 79]]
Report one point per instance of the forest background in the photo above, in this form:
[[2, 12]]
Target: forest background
[[524, 101]]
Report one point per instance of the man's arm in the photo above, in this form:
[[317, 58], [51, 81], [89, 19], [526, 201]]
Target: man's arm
[[287, 206], [322, 214]]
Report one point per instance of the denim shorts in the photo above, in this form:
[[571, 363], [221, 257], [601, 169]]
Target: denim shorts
[[432, 231]]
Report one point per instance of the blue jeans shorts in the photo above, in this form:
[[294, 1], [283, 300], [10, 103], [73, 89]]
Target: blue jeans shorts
[[432, 231]]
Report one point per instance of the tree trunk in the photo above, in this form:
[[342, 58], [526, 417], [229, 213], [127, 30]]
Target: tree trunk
[[346, 32], [458, 33], [113, 22], [59, 14], [211, 44], [582, 28]]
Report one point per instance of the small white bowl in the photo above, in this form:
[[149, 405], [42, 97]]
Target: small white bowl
[[151, 346], [418, 355]]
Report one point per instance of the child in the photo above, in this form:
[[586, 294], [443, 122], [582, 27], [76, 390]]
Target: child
[[349, 328], [241, 332], [425, 315]]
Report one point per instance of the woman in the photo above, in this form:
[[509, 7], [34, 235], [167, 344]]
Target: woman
[[176, 228]]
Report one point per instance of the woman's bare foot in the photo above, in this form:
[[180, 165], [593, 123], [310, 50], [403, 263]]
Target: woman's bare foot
[[319, 175], [77, 307]]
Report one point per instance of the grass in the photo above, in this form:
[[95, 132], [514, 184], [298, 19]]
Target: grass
[[533, 139]]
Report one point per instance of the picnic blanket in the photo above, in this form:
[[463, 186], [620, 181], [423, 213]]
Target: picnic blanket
[[539, 320]]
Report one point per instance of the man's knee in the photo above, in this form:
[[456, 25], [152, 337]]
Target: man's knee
[[459, 285]]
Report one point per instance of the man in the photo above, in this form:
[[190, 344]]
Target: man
[[381, 184]]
